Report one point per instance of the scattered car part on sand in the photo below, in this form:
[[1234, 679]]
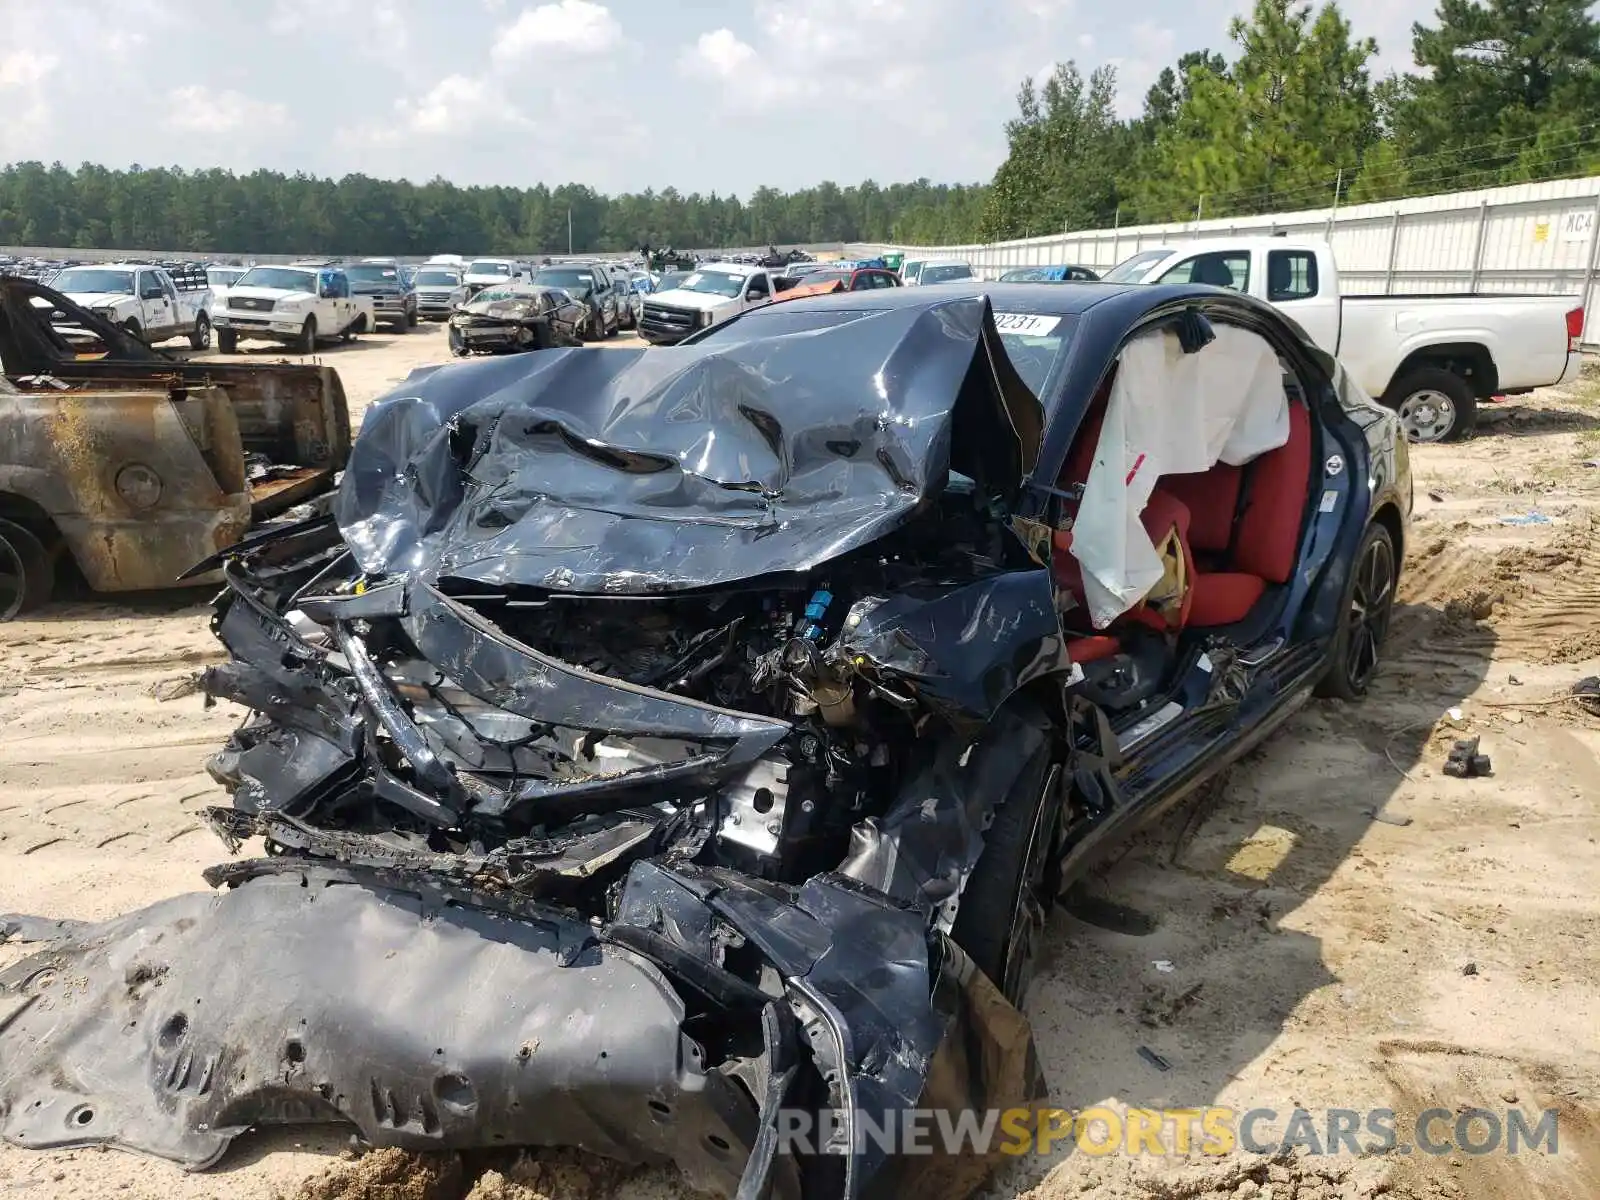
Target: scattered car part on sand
[[135, 466], [654, 743]]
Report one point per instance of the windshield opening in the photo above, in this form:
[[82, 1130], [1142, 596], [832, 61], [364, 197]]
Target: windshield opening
[[222, 277], [945, 274], [489, 268], [1134, 270], [278, 277], [566, 277], [441, 278], [712, 283], [80, 280], [371, 273], [824, 277]]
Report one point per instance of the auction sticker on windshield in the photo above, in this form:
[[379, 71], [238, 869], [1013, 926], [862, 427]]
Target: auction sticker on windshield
[[1025, 323]]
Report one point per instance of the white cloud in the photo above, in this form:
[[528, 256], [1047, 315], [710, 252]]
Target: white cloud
[[1157, 49], [458, 102], [23, 75], [720, 53], [569, 27], [195, 108]]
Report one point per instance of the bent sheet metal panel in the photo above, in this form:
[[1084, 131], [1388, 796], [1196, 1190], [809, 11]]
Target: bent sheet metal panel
[[431, 1021], [425, 1023], [685, 467]]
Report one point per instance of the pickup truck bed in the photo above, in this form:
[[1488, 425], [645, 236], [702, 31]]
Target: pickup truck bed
[[136, 466]]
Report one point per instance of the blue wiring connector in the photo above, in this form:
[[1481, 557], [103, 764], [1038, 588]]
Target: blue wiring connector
[[816, 609]]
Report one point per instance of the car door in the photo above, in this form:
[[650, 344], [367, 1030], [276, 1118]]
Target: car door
[[1219, 268], [1294, 285], [758, 291], [155, 309]]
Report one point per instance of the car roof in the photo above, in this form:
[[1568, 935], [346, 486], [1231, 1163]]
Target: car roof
[[1069, 299], [945, 262]]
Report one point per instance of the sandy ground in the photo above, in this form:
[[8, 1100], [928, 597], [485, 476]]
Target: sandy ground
[[1318, 957]]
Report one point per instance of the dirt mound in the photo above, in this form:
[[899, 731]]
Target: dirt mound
[[1265, 1178], [530, 1175], [551, 1175], [388, 1175]]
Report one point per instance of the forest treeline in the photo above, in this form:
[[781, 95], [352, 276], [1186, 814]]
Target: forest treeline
[[1502, 91]]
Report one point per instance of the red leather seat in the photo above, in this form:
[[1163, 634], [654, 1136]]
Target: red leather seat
[[1268, 536], [1213, 498], [1162, 514]]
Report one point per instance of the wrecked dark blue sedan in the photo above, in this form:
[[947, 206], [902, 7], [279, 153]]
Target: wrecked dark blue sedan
[[654, 744]]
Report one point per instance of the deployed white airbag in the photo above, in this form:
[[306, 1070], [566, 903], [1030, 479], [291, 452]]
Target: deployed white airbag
[[1169, 413]]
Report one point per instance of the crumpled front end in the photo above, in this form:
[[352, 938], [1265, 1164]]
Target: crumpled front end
[[645, 867]]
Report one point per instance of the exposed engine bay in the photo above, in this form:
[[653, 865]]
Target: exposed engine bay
[[503, 790]]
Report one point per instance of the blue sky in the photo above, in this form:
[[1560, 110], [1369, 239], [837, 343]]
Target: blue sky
[[722, 95]]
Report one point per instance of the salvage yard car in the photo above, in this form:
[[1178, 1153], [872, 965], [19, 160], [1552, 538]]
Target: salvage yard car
[[657, 742], [483, 272], [592, 285], [1056, 274], [440, 291], [707, 296], [394, 300], [840, 279], [1430, 357], [942, 270], [298, 305], [133, 466], [515, 317], [146, 301]]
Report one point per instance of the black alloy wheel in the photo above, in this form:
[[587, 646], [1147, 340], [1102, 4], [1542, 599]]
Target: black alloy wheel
[[1368, 607]]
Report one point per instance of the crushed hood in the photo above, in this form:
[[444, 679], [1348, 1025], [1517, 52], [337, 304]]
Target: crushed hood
[[621, 472]]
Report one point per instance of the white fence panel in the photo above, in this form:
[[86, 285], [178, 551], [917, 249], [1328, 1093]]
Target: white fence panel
[[1531, 237]]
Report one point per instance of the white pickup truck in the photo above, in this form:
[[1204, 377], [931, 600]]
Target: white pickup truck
[[298, 305], [144, 300], [709, 295], [1431, 358]]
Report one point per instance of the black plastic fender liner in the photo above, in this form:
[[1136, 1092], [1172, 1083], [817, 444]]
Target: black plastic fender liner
[[320, 996]]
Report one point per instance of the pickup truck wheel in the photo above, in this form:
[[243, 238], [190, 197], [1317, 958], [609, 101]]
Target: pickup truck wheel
[[1364, 618], [597, 326], [1007, 899], [457, 346], [132, 327], [411, 319], [200, 339], [227, 341], [306, 343], [402, 326], [1434, 405], [26, 578]]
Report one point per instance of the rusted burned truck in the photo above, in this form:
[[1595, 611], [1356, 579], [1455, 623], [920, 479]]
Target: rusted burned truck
[[133, 466]]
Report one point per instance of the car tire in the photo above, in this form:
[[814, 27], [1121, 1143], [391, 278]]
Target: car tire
[[401, 326], [26, 576], [306, 343], [133, 329], [411, 319], [1433, 404], [1007, 899], [457, 347], [597, 326], [227, 341], [200, 339], [1365, 609]]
